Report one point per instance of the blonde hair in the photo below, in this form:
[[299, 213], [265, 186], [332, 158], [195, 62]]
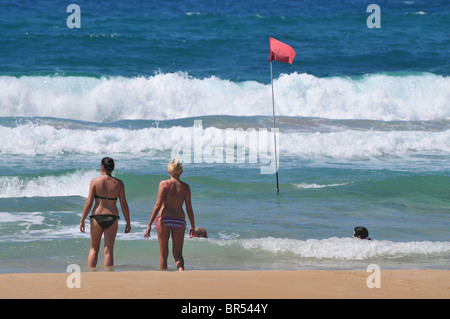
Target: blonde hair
[[175, 167]]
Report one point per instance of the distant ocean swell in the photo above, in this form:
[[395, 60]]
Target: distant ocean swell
[[164, 96]]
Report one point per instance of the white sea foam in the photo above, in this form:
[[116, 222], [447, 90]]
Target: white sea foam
[[70, 184], [314, 185], [341, 248], [177, 95], [364, 144], [23, 219], [25, 230], [29, 139], [32, 139]]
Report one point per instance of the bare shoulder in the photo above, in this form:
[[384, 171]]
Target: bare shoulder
[[188, 188], [96, 180], [162, 185], [119, 181]]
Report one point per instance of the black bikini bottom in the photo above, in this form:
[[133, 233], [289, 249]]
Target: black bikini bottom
[[105, 221]]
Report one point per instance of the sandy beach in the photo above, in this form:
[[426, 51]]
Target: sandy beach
[[301, 284]]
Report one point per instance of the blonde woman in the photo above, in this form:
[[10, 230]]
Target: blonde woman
[[169, 216]]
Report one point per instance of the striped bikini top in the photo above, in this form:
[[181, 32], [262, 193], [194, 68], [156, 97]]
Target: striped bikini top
[[180, 196]]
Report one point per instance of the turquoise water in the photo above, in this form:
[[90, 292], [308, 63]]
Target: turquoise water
[[363, 119]]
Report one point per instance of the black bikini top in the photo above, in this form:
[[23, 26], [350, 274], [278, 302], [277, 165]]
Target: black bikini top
[[108, 198]]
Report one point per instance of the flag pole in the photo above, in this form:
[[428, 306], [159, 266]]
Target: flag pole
[[281, 52], [274, 128]]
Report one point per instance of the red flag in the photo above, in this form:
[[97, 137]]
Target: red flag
[[281, 52]]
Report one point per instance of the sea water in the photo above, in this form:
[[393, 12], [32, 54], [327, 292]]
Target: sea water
[[362, 131]]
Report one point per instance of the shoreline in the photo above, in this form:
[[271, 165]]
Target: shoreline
[[229, 284]]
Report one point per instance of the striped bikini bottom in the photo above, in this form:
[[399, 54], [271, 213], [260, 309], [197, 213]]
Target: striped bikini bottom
[[172, 223]]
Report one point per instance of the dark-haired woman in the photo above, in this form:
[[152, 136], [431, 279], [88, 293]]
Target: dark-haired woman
[[361, 233], [105, 190]]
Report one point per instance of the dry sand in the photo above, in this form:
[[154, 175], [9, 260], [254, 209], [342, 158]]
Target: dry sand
[[204, 284]]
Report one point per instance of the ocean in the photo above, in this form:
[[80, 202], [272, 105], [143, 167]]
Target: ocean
[[362, 130]]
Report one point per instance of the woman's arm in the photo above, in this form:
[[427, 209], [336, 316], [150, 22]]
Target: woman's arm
[[124, 206], [156, 209], [87, 205], [190, 211]]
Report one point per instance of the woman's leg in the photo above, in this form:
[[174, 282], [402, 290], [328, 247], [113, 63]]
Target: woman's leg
[[177, 249], [163, 239], [110, 238], [96, 237]]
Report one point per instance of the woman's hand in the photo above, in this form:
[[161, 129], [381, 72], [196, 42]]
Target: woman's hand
[[147, 232], [192, 231]]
